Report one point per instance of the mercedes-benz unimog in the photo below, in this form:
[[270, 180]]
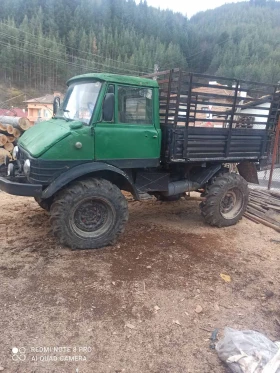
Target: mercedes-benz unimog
[[164, 135]]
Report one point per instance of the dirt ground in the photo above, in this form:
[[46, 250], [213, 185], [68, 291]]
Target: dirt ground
[[132, 307]]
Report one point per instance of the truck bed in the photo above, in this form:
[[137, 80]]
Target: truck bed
[[210, 144], [206, 117]]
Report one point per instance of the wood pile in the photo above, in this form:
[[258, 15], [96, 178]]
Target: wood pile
[[245, 122], [264, 208], [11, 128]]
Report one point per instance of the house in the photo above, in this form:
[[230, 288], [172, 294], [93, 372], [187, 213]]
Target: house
[[13, 112], [249, 113], [207, 97], [41, 108], [259, 110], [210, 105]]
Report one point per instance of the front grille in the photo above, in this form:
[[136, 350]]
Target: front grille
[[45, 171]]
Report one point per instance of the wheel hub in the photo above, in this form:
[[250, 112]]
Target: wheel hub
[[231, 203], [228, 202], [92, 217]]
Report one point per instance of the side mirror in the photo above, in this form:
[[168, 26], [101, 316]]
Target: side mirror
[[108, 107], [56, 104]]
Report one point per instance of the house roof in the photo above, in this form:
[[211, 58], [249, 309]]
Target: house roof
[[47, 99], [114, 78], [13, 112], [261, 100]]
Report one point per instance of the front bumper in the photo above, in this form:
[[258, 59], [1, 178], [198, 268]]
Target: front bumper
[[20, 189]]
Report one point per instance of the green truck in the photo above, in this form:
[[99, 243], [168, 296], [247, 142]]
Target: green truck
[[150, 135]]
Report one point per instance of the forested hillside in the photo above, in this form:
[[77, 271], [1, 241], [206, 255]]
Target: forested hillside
[[44, 42], [239, 40]]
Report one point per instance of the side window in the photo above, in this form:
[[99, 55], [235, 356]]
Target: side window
[[135, 105]]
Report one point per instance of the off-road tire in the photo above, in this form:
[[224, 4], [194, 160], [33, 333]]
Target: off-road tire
[[89, 214], [226, 200], [45, 204]]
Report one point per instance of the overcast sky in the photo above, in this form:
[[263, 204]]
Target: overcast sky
[[190, 7]]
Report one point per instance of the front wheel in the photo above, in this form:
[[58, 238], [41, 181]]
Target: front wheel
[[89, 214], [226, 200]]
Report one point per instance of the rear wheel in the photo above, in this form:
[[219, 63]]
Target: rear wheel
[[226, 200], [89, 214]]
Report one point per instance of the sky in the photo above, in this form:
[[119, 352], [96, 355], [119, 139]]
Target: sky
[[188, 7]]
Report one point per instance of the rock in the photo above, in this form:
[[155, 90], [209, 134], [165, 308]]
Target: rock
[[177, 322], [198, 309], [130, 326], [216, 307], [1, 368], [156, 308], [269, 293], [149, 267]]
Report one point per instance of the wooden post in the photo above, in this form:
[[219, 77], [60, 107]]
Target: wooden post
[[276, 142]]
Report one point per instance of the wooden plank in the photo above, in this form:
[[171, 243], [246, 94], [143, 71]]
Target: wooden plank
[[264, 222]]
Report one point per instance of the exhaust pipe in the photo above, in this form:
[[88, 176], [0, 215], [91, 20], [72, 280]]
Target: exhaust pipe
[[182, 186]]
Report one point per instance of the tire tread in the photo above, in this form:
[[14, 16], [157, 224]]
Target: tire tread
[[214, 192], [60, 209]]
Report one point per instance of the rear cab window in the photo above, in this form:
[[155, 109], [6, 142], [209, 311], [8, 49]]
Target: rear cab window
[[135, 105]]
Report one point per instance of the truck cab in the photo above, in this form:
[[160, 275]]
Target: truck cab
[[103, 118]]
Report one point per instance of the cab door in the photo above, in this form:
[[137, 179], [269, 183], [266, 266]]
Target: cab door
[[131, 139]]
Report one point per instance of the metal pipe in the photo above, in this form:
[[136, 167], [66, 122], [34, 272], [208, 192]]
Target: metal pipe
[[276, 142], [182, 186]]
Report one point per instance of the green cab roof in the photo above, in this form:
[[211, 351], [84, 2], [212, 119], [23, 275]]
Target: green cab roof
[[114, 78]]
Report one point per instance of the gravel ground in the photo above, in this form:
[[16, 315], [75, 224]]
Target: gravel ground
[[147, 304]]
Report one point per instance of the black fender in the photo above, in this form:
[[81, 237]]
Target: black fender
[[248, 170], [98, 169], [206, 174]]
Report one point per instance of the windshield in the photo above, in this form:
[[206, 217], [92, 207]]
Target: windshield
[[80, 101]]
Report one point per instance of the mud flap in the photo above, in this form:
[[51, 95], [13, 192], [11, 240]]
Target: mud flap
[[248, 171]]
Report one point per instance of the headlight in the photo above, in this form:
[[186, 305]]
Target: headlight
[[15, 152], [26, 167]]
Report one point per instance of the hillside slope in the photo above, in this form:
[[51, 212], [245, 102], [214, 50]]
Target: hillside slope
[[238, 40], [43, 43]]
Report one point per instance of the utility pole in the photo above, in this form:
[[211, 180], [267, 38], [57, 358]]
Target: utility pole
[[156, 68]]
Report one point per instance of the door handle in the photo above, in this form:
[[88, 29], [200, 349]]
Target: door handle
[[155, 136]]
